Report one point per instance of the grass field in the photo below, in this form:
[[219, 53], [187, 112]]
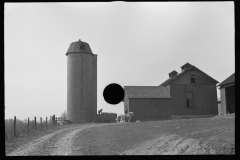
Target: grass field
[[218, 133]]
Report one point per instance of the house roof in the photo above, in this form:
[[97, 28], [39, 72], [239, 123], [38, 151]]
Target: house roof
[[230, 79], [186, 64], [146, 92], [180, 74]]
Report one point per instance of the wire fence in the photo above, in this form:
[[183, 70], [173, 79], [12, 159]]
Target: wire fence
[[18, 128]]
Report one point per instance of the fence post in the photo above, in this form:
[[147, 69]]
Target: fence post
[[46, 122], [54, 120], [28, 127], [41, 121], [14, 127], [35, 123]]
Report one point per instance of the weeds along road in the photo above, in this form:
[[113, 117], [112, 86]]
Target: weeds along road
[[57, 143]]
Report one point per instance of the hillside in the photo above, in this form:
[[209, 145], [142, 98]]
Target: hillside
[[187, 136]]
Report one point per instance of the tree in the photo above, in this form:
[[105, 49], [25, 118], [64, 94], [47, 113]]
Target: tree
[[64, 115]]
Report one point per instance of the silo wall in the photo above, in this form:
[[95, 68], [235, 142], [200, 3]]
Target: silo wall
[[94, 88], [81, 87]]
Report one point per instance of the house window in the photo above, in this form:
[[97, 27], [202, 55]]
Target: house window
[[192, 78], [82, 46], [189, 99]]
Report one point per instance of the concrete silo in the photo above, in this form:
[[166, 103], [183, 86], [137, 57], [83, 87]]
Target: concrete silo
[[81, 83]]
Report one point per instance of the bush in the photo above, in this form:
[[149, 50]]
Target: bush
[[8, 129]]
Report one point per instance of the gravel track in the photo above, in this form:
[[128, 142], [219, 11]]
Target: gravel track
[[57, 143], [64, 145]]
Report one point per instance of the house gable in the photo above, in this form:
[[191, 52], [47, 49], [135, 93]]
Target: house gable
[[200, 78], [185, 77]]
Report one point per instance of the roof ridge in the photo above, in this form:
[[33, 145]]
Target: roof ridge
[[146, 92], [175, 77]]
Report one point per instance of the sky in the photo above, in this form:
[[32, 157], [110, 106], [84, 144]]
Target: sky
[[137, 43]]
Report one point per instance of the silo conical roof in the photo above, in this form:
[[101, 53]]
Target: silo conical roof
[[79, 47]]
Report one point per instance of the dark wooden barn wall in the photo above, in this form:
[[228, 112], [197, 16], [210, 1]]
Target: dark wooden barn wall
[[149, 108], [230, 99], [204, 97], [126, 105]]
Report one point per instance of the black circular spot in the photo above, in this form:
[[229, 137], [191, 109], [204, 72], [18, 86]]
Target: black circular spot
[[113, 93]]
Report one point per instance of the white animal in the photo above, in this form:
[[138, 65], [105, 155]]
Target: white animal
[[126, 117], [118, 119]]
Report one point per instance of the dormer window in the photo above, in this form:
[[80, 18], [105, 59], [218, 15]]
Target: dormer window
[[172, 74], [182, 69]]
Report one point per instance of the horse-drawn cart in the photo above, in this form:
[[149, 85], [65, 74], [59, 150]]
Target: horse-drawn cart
[[106, 117]]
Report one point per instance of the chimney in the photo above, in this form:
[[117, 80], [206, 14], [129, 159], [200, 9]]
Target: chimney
[[185, 67], [172, 74]]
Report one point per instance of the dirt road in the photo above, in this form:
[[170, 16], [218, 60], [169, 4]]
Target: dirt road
[[57, 143]]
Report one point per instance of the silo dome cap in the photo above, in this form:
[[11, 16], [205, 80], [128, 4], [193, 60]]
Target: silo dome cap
[[79, 47]]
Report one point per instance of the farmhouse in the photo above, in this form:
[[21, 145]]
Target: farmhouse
[[227, 90], [189, 93]]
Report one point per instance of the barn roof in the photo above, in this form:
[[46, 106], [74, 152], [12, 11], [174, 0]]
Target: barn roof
[[180, 74], [230, 79], [146, 92]]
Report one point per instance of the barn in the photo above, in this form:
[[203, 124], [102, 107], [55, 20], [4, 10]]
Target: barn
[[147, 102], [227, 90], [190, 93]]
